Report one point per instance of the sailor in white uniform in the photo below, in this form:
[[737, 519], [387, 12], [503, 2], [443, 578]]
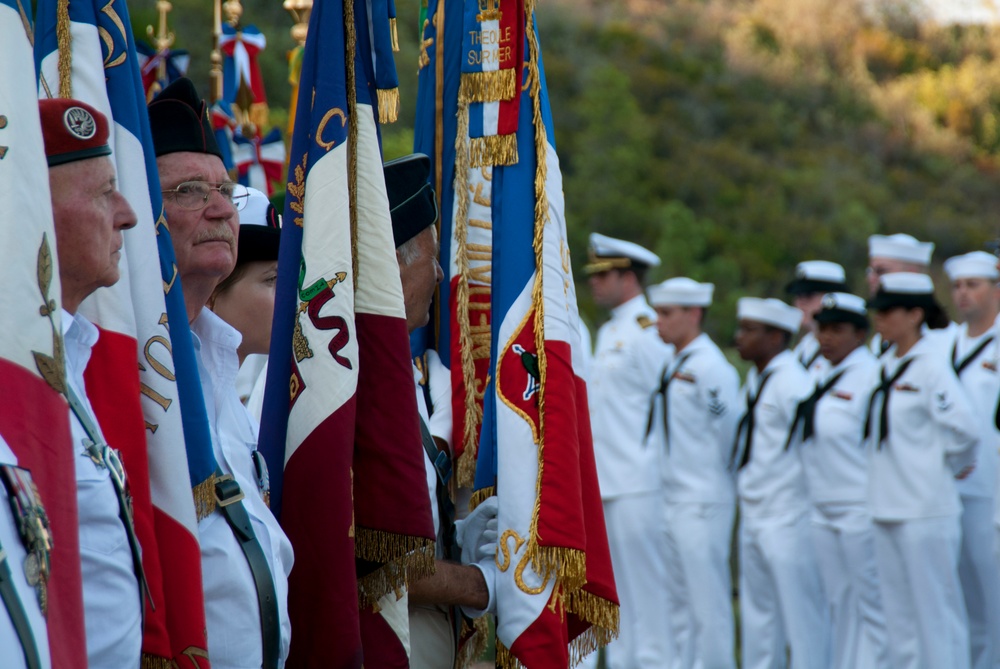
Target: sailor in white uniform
[[692, 424], [781, 594], [975, 354], [831, 423], [888, 254], [923, 434], [625, 373], [813, 280]]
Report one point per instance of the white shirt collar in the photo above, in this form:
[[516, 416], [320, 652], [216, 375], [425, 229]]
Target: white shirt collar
[[633, 306], [217, 342]]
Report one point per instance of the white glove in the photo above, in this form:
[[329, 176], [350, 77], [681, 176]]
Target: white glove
[[477, 534]]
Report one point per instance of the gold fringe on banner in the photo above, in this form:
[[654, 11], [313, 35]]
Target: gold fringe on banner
[[505, 659], [388, 105], [481, 496], [493, 150], [148, 661], [599, 612], [352, 136], [64, 41], [488, 86], [205, 502], [395, 35], [475, 645], [466, 466], [568, 564], [406, 559]]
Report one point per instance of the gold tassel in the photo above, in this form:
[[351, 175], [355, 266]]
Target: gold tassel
[[397, 572], [481, 496], [475, 644], [381, 546], [148, 661], [204, 498], [599, 612], [493, 150], [488, 86], [568, 564], [64, 40], [352, 136], [260, 115], [388, 105], [473, 413], [505, 659], [395, 36]]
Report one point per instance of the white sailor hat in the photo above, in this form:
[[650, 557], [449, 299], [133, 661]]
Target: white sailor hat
[[607, 253], [770, 312], [900, 247], [903, 289], [682, 292], [843, 308], [817, 276], [975, 265]]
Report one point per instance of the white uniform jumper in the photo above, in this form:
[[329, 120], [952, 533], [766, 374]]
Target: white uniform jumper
[[807, 353], [975, 361], [231, 608], [700, 390], [781, 595], [836, 469], [930, 434], [625, 373], [112, 607], [13, 548]]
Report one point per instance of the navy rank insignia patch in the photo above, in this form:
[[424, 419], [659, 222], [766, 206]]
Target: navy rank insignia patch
[[716, 406], [32, 526], [645, 321]]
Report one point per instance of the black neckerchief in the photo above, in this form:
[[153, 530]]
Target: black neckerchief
[[806, 411], [668, 375], [968, 360], [884, 388], [747, 423]]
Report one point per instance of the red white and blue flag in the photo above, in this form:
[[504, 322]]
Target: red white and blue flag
[[340, 430], [34, 417], [143, 327], [555, 593], [240, 48], [259, 160]]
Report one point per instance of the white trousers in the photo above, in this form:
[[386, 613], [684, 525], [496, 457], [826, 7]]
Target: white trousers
[[432, 643], [698, 537], [636, 538], [977, 571], [921, 594], [781, 595], [845, 552]]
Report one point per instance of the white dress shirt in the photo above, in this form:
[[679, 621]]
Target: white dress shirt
[[835, 461], [438, 424], [772, 482], [981, 380], [10, 541], [112, 608], [232, 612], [627, 364], [932, 436], [703, 410]]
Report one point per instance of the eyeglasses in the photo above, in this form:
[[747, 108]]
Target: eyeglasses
[[193, 195]]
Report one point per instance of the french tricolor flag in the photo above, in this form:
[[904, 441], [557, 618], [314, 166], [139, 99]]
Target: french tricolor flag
[[142, 372], [340, 430], [34, 417]]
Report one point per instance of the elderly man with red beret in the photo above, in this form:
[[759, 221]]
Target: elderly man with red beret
[[90, 215]]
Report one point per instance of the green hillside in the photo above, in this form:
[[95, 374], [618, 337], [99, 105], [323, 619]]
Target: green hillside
[[739, 137]]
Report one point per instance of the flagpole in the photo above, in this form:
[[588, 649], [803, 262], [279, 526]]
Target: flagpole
[[215, 73]]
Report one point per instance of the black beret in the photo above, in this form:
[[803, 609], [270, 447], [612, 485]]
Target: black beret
[[179, 121], [802, 286], [411, 198], [260, 230]]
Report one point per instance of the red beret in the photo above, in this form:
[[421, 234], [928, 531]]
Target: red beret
[[72, 130]]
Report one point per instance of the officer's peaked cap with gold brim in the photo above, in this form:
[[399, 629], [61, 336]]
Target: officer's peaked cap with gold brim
[[607, 253]]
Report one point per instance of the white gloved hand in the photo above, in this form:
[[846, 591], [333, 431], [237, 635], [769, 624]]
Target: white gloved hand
[[477, 534]]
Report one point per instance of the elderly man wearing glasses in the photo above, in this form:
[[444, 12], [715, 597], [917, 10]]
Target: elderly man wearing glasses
[[246, 557]]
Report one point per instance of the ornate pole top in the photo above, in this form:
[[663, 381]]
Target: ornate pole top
[[300, 10]]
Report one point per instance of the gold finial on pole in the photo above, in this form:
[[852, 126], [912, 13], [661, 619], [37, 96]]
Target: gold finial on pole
[[215, 74], [300, 10], [162, 37], [234, 11]]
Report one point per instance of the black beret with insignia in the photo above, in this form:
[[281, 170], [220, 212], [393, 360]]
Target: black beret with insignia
[[411, 197], [179, 121]]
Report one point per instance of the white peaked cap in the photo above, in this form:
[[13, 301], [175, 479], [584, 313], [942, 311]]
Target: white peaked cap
[[609, 253], [845, 302], [906, 283], [975, 265], [900, 247], [770, 312], [682, 292]]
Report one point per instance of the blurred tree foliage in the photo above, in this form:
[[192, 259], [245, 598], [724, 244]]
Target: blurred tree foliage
[[736, 138]]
